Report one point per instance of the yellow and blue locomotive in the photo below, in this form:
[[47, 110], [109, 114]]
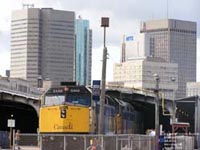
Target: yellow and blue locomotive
[[68, 109]]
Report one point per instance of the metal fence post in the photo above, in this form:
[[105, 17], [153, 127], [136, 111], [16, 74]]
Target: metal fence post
[[40, 136], [13, 137], [85, 143], [116, 142], [121, 144], [139, 142], [64, 142], [102, 142], [150, 143]]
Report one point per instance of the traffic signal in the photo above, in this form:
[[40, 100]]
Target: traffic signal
[[63, 113]]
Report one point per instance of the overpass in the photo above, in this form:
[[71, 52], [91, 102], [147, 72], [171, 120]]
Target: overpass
[[144, 102], [24, 106], [187, 109]]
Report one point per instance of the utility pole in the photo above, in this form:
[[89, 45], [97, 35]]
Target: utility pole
[[104, 24], [157, 126]]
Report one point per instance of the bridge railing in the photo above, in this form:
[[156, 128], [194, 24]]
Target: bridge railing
[[18, 92]]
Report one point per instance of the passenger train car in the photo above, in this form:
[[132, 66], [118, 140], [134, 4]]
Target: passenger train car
[[68, 109]]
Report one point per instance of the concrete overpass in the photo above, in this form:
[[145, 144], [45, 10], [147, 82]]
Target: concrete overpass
[[188, 109], [24, 106]]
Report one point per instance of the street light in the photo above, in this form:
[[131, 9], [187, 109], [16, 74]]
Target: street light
[[157, 127], [39, 81], [173, 79], [104, 24]]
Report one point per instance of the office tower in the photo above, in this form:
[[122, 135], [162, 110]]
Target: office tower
[[135, 46], [43, 45], [83, 52], [174, 41], [138, 73]]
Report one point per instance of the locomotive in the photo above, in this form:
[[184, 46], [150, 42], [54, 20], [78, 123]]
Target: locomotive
[[69, 109]]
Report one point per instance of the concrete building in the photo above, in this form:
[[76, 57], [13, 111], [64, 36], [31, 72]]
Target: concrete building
[[42, 45], [83, 52], [193, 88], [138, 73], [174, 41], [135, 46]]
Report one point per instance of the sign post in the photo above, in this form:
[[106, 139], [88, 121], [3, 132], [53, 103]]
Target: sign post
[[11, 124], [95, 98], [96, 90]]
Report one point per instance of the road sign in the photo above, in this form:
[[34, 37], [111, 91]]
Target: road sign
[[11, 123], [96, 90]]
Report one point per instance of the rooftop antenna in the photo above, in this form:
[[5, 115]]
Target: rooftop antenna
[[167, 9], [26, 6]]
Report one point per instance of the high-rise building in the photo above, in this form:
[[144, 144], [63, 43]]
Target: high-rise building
[[135, 46], [43, 45], [174, 41], [138, 73], [83, 52]]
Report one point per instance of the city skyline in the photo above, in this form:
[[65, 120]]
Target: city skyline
[[125, 18]]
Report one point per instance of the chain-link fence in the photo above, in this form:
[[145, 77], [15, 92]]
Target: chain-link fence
[[26, 141], [179, 142], [100, 142], [184, 142], [94, 142]]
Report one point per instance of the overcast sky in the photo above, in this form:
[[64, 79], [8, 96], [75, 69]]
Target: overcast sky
[[125, 17]]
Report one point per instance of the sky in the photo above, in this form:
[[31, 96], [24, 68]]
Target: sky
[[125, 17]]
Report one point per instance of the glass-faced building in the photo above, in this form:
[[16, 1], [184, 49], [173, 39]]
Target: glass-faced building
[[83, 54]]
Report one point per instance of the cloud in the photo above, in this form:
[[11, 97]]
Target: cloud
[[113, 57], [125, 17], [4, 62]]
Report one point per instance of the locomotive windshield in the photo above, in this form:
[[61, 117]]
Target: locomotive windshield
[[74, 95], [54, 99]]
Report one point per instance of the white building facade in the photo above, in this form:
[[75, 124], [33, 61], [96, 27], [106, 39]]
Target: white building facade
[[193, 88], [135, 46], [138, 73]]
